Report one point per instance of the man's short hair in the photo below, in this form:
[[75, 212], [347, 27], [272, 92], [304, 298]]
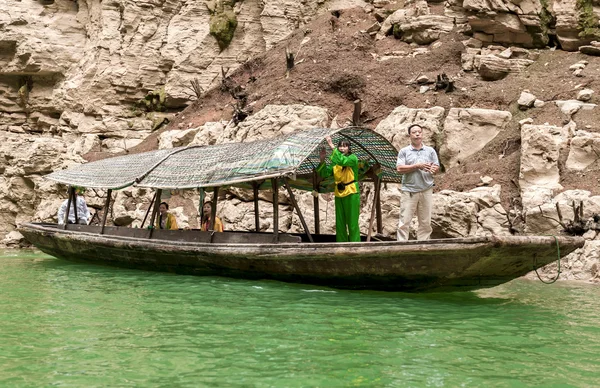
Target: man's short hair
[[414, 125]]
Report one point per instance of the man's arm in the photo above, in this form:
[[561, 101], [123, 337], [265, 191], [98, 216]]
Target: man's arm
[[404, 168], [411, 167], [434, 166]]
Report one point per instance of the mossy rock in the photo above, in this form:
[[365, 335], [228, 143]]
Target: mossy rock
[[397, 32], [154, 101], [588, 22], [222, 27]]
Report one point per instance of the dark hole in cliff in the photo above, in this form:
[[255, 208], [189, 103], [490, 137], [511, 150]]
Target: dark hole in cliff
[[46, 2], [337, 13], [8, 49], [350, 86], [30, 184], [553, 41]]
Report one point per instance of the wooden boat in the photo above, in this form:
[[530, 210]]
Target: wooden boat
[[312, 258]]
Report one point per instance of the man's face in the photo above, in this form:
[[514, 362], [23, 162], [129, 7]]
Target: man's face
[[416, 133]]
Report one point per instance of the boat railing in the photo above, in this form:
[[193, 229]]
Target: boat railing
[[191, 235]]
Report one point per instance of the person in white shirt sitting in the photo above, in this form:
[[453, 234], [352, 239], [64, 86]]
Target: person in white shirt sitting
[[83, 213]]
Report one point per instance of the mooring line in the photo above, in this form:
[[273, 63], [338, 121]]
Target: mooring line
[[558, 260]]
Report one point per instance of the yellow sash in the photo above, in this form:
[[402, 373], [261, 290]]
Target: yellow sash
[[344, 175]]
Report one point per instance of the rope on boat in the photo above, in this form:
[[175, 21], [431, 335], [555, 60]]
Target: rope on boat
[[558, 261]]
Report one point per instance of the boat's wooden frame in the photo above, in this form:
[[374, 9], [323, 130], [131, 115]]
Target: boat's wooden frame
[[460, 264]]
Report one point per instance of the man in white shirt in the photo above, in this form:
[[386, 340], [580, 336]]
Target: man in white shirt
[[83, 213], [417, 163]]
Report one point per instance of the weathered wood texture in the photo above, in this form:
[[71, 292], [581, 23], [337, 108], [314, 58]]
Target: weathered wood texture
[[434, 265]]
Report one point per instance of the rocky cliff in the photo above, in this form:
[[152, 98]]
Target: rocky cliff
[[518, 135]]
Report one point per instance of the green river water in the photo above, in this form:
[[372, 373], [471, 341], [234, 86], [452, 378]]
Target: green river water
[[76, 325]]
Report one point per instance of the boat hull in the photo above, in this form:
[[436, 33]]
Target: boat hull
[[435, 265]]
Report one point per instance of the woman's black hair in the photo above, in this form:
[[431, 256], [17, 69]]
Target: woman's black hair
[[345, 142], [166, 205]]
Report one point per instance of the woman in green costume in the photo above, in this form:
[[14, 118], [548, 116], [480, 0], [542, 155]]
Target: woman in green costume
[[344, 168]]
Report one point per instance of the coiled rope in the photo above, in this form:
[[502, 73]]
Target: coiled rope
[[558, 260]]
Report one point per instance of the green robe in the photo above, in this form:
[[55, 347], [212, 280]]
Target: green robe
[[347, 202]]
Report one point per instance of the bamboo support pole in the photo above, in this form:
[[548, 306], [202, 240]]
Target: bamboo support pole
[[378, 208], [373, 208], [148, 211], [275, 189], [213, 209], [316, 202], [155, 211], [256, 215], [295, 204], [201, 195], [66, 219], [108, 195], [75, 205]]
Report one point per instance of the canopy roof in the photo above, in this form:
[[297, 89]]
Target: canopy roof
[[235, 164]]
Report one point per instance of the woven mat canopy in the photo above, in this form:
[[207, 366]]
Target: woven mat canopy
[[237, 164], [112, 173]]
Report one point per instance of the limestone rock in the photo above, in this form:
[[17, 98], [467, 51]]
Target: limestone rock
[[590, 50], [570, 107], [585, 95], [210, 133], [542, 218], [583, 264], [486, 180], [394, 127], [14, 239], [568, 28], [423, 29], [472, 43], [493, 68], [416, 24], [539, 174], [467, 131], [526, 100], [176, 138], [275, 120], [584, 150], [474, 213]]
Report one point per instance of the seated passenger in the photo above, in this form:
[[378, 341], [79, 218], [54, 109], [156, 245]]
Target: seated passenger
[[165, 220], [83, 213], [206, 211]]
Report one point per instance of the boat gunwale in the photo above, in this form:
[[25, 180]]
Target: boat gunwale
[[445, 244]]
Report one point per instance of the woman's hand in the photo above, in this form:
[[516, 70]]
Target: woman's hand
[[322, 154], [330, 142]]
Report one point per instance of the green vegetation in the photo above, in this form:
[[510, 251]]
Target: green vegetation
[[588, 21], [223, 21], [153, 102], [25, 86], [546, 18], [397, 31]]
